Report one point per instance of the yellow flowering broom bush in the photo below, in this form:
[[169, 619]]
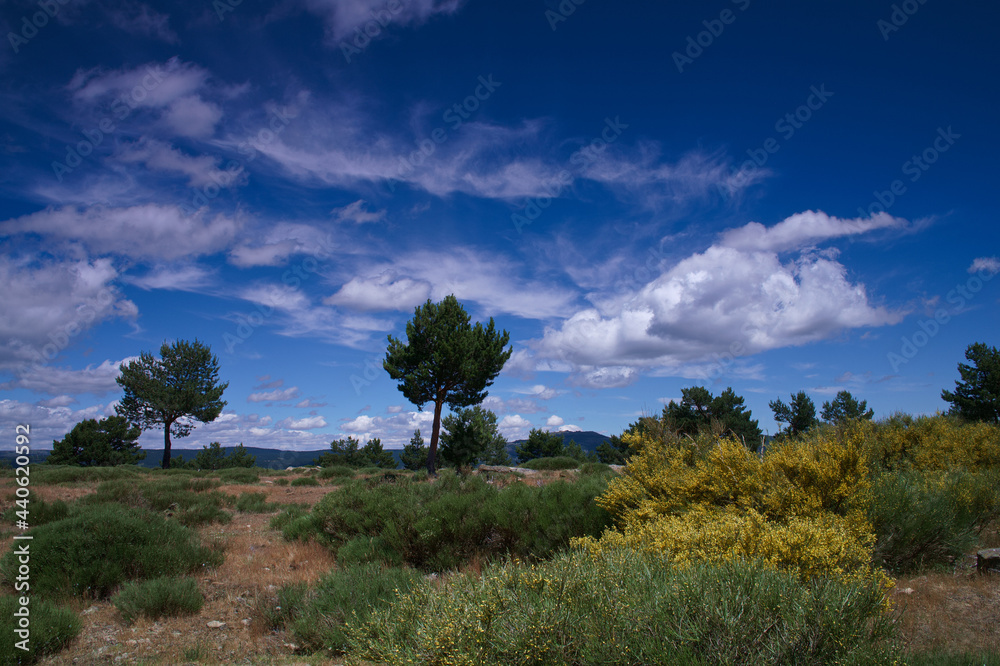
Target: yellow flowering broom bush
[[801, 506]]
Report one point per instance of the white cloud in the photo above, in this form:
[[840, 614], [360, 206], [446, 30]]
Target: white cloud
[[985, 265], [278, 242], [138, 18], [306, 423], [174, 278], [725, 300], [47, 304], [804, 229], [173, 89], [97, 380], [355, 212], [570, 428], [149, 231], [514, 427], [554, 421], [289, 393], [360, 424], [280, 296], [201, 170], [381, 292], [344, 16], [49, 423]]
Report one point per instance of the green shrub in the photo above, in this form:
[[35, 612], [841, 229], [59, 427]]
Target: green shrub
[[624, 608], [101, 546], [55, 474], [160, 597], [336, 472], [557, 462], [39, 511], [201, 485], [52, 628], [287, 515], [173, 496], [924, 519], [254, 503], [595, 468], [305, 481], [440, 525], [318, 617], [239, 475], [281, 482]]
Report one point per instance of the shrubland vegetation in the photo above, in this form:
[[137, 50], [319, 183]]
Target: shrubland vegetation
[[712, 545]]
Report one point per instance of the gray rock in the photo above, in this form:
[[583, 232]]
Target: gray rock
[[988, 561]]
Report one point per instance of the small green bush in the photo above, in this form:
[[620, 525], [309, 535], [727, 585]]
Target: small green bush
[[622, 608], [281, 482], [558, 462], [52, 628], [336, 472], [39, 511], [287, 515], [318, 617], [254, 503], [101, 546], [305, 481], [239, 475], [160, 597], [595, 468]]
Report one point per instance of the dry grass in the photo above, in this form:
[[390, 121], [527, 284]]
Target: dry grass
[[955, 612]]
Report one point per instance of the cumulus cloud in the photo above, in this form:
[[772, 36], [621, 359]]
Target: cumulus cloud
[[554, 421], [737, 297]]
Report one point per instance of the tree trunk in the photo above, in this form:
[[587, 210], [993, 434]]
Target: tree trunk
[[166, 445], [435, 430]]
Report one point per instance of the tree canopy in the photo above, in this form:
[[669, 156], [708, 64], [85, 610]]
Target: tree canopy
[[163, 393], [799, 414], [91, 443], [977, 396], [540, 444], [445, 360], [700, 411], [471, 437], [845, 407], [350, 453], [414, 454], [214, 457]]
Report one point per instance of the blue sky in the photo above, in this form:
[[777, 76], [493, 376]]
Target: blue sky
[[775, 196]]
